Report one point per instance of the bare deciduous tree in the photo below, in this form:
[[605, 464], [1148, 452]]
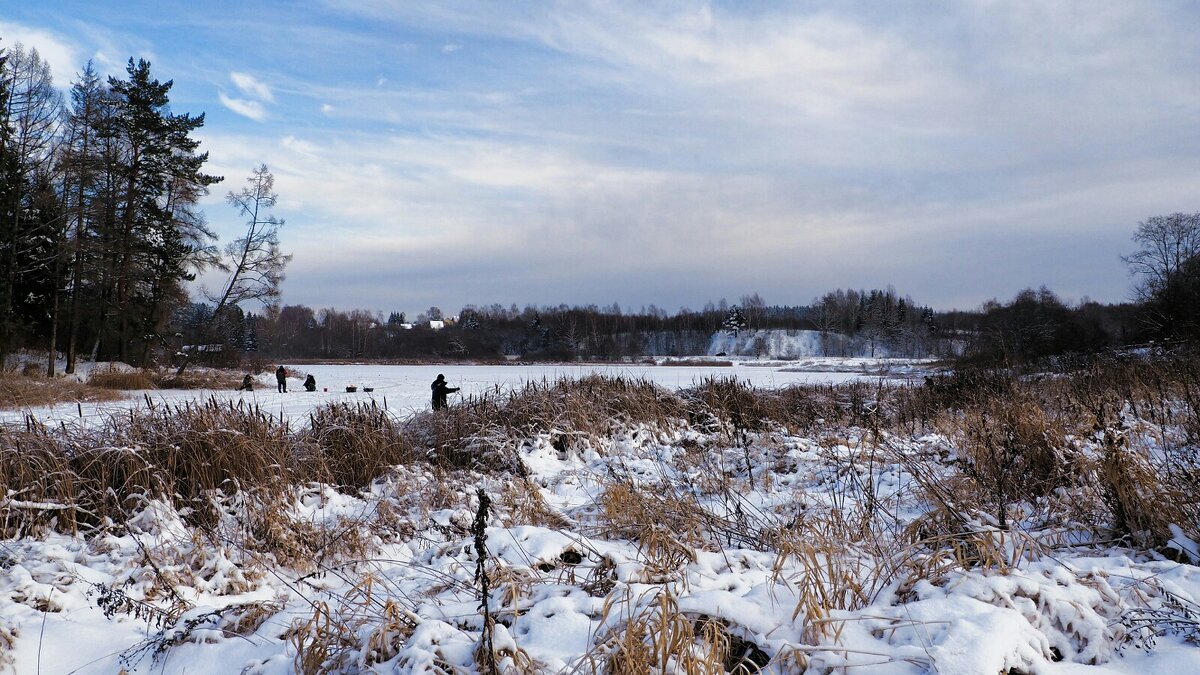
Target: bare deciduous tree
[[253, 261], [1168, 247]]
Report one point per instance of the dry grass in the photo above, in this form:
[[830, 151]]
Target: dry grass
[[524, 505], [1010, 434], [120, 379], [483, 431], [30, 391], [1013, 452], [351, 445], [1148, 497], [113, 377], [651, 635], [198, 378]]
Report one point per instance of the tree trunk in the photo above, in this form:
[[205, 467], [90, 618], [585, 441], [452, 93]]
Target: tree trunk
[[50, 361]]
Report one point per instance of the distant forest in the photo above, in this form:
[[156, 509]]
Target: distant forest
[[101, 235], [1032, 326]]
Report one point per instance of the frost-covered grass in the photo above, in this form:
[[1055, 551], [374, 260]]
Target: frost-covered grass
[[976, 524]]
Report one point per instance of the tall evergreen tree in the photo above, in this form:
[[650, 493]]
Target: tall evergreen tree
[[160, 240]]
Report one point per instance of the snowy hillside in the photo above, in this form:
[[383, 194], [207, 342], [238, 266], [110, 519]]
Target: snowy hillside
[[792, 344]]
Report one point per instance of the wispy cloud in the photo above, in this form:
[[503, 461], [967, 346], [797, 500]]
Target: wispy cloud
[[672, 152], [58, 51], [251, 109], [258, 92], [252, 87]]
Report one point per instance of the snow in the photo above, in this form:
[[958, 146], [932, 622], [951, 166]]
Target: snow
[[793, 344], [404, 598], [405, 389]]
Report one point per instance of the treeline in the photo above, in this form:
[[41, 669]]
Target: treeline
[[893, 323], [1034, 328], [99, 226]]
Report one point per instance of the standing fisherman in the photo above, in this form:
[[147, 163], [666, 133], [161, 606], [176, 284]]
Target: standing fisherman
[[440, 392], [281, 379]]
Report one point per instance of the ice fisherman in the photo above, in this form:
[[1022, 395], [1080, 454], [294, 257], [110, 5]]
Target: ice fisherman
[[310, 383], [281, 379], [440, 391], [247, 383]]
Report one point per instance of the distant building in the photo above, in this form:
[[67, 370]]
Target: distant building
[[407, 326], [437, 324]]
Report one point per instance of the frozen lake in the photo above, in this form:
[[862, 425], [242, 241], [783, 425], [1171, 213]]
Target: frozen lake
[[405, 388]]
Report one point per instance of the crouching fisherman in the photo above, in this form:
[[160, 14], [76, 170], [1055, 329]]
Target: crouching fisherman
[[310, 383]]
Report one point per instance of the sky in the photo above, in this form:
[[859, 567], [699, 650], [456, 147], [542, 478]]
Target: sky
[[446, 153]]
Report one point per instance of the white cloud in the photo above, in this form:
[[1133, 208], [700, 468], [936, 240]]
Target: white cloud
[[956, 154], [252, 86], [54, 49], [251, 109], [450, 48], [327, 109]]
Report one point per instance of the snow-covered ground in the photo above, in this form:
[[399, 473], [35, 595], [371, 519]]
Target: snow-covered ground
[[405, 389], [769, 548]]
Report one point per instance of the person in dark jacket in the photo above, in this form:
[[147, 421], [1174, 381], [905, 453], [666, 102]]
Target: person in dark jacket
[[247, 383], [310, 383], [440, 392], [281, 379]]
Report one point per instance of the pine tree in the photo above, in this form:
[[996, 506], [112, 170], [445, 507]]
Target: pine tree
[[250, 334], [735, 321], [160, 240], [469, 320]]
